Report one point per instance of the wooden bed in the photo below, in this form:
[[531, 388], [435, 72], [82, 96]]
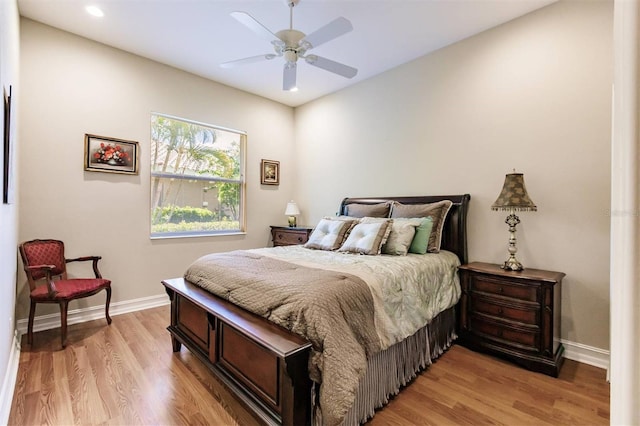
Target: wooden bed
[[263, 364]]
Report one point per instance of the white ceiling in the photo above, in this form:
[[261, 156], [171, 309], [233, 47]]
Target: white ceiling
[[198, 35]]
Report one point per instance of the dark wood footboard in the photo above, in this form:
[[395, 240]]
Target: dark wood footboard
[[262, 364]]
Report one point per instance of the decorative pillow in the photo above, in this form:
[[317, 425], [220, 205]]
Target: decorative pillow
[[420, 241], [437, 211], [367, 238], [328, 234], [368, 210], [401, 236]]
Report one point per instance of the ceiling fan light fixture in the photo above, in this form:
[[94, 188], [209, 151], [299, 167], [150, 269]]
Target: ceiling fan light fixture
[[291, 56], [304, 44]]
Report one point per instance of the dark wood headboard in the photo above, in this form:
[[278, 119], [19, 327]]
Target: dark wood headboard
[[454, 234]]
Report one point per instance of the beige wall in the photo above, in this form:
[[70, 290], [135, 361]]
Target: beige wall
[[534, 95], [72, 86]]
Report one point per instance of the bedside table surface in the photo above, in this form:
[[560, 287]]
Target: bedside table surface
[[293, 228], [526, 273]]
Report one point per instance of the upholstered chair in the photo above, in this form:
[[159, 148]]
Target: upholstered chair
[[46, 269]]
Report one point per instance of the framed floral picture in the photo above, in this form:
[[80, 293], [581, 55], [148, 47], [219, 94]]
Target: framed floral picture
[[105, 154], [269, 172]]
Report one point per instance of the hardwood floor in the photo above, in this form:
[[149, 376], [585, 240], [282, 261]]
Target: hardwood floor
[[126, 374]]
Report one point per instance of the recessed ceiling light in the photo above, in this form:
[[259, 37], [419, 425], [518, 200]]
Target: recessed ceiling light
[[94, 11], [293, 89]]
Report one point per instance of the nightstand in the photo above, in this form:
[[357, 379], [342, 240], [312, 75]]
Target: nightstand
[[515, 315], [288, 236]]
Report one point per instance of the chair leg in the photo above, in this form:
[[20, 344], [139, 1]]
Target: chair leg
[[64, 305], [106, 307], [32, 314]]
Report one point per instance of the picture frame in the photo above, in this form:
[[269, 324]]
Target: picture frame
[[7, 151], [269, 172], [111, 155]]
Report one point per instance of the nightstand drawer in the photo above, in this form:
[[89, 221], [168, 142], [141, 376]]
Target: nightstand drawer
[[286, 236], [289, 238], [525, 339], [497, 309], [496, 286]]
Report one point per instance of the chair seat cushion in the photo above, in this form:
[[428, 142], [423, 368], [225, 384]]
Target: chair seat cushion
[[71, 289]]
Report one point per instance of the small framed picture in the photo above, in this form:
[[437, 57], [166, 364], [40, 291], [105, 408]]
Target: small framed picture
[[111, 155], [270, 172]]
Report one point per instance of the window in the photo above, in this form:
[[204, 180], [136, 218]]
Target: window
[[197, 178]]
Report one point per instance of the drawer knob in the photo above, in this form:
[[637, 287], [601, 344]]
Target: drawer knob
[[499, 333], [299, 239], [501, 289], [500, 311]]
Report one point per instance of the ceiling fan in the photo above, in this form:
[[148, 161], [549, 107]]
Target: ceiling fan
[[293, 45]]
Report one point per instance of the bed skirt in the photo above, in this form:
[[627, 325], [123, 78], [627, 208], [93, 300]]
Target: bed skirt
[[393, 368]]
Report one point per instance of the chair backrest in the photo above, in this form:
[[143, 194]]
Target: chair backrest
[[43, 252]]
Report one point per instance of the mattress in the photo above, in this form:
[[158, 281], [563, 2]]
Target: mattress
[[408, 291]]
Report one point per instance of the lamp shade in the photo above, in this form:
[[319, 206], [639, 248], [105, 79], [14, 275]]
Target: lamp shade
[[514, 195], [292, 209]]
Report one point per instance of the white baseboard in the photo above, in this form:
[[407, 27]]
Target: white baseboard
[[575, 351], [49, 321], [586, 354], [9, 382]]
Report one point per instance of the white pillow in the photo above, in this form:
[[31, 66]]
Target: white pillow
[[401, 236], [328, 234], [367, 237]]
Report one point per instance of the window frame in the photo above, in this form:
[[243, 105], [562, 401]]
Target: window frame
[[242, 220]]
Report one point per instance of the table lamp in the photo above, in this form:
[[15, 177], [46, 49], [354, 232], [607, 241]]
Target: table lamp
[[292, 211], [512, 198]]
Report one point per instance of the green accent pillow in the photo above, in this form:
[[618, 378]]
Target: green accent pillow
[[421, 238]]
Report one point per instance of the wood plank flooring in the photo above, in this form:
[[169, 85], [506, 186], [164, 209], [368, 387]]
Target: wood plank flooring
[[126, 374]]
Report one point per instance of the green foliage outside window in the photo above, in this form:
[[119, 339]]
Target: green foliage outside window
[[196, 178]]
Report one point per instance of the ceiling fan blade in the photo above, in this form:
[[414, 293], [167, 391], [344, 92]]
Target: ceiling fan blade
[[249, 60], [255, 26], [289, 76], [333, 29], [332, 66]]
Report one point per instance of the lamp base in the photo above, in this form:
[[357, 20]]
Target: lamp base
[[292, 221], [512, 264]]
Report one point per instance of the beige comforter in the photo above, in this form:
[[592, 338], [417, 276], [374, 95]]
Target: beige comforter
[[333, 310]]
